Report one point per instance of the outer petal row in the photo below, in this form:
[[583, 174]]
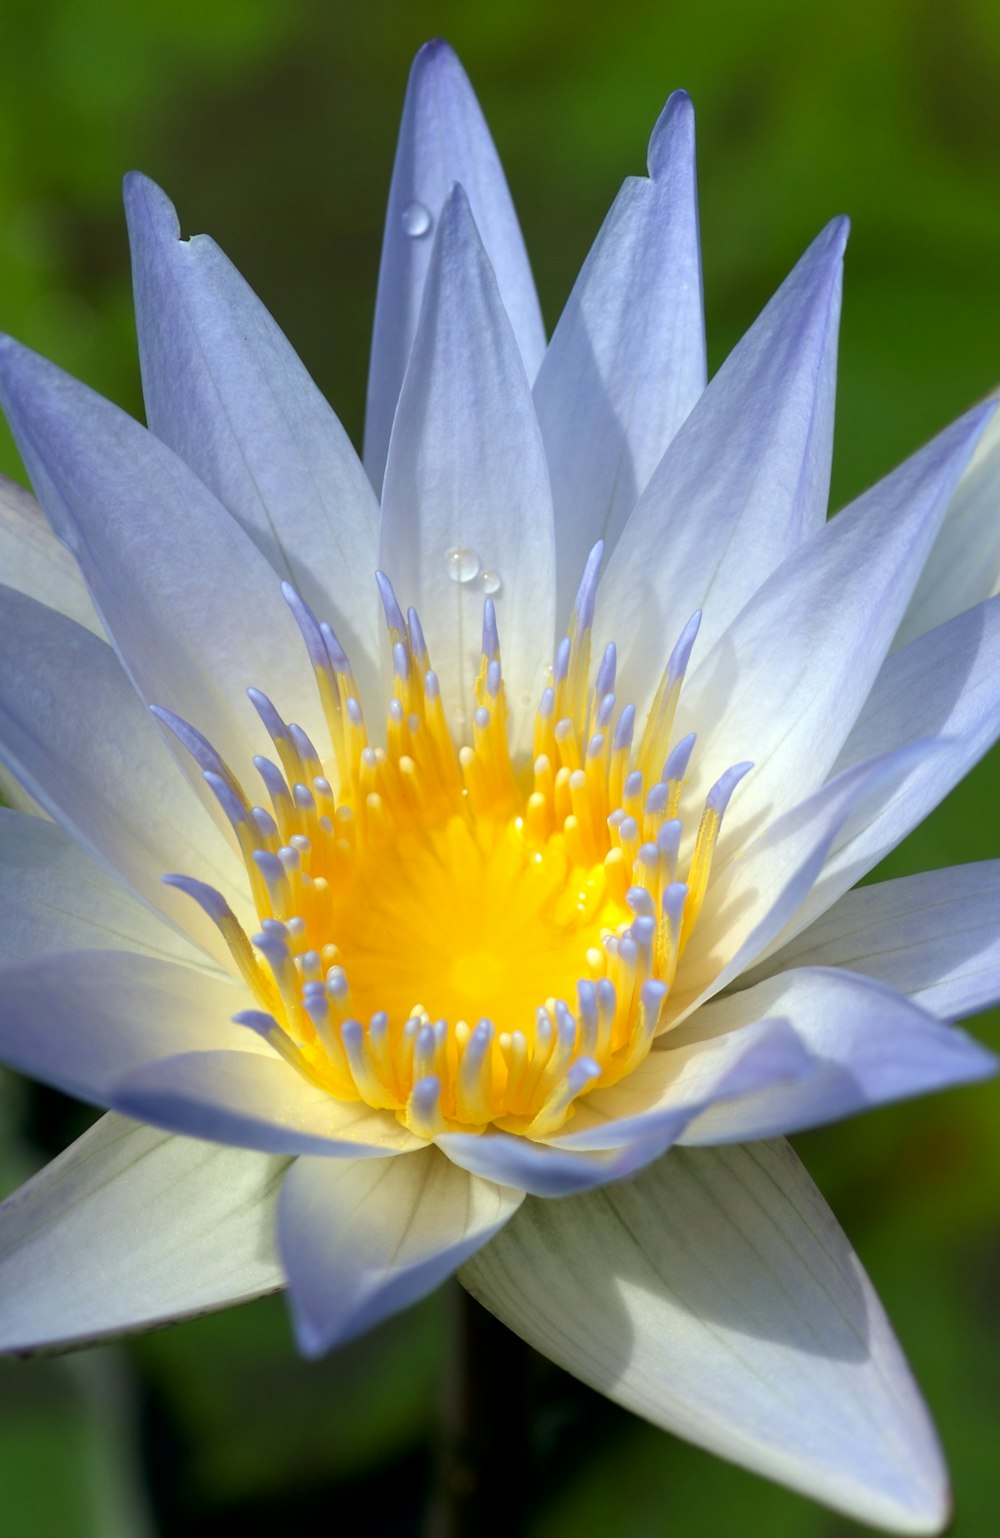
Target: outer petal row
[[361, 1240], [716, 1296], [162, 1228], [157, 1228]]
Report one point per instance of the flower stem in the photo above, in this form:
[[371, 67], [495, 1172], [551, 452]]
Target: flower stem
[[481, 1485]]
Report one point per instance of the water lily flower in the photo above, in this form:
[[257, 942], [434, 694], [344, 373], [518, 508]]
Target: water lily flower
[[508, 793]]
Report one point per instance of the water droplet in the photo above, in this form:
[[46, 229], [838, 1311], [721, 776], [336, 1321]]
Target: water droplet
[[462, 565], [490, 581], [416, 220]]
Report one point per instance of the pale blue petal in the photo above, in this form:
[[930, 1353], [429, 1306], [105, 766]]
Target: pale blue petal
[[946, 682], [466, 471], [361, 1240], [75, 735], [672, 1087], [627, 360], [963, 568], [53, 897], [131, 1228], [934, 936], [256, 1101], [194, 610], [85, 1019], [745, 480], [716, 1296], [872, 1045], [33, 561], [544, 1169], [760, 895], [443, 139], [786, 682], [224, 388]]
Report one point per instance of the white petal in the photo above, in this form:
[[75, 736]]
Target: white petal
[[466, 471], [76, 736], [872, 1046], [53, 897], [627, 360], [760, 895], [194, 610], [33, 560], [443, 139], [131, 1228], [716, 1296], [786, 682], [81, 1020], [944, 684], [745, 480], [934, 936], [963, 568], [362, 1240], [225, 390], [256, 1101]]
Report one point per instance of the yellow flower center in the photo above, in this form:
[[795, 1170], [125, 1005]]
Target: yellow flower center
[[445, 934]]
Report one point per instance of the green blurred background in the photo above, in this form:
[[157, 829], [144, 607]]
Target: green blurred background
[[272, 123]]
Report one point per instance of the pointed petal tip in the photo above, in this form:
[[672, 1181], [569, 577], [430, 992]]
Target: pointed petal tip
[[436, 68], [672, 131], [825, 253], [26, 378], [311, 1344], [434, 49], [147, 205], [927, 1514], [457, 207], [835, 235], [314, 1340]]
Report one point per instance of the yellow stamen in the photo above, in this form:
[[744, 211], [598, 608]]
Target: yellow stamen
[[442, 936]]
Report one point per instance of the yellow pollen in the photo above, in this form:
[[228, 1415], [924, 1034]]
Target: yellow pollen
[[446, 934]]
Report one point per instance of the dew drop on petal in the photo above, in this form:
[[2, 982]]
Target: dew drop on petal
[[461, 564], [490, 581], [416, 220]]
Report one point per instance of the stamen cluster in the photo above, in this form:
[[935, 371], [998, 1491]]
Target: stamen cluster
[[442, 934]]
